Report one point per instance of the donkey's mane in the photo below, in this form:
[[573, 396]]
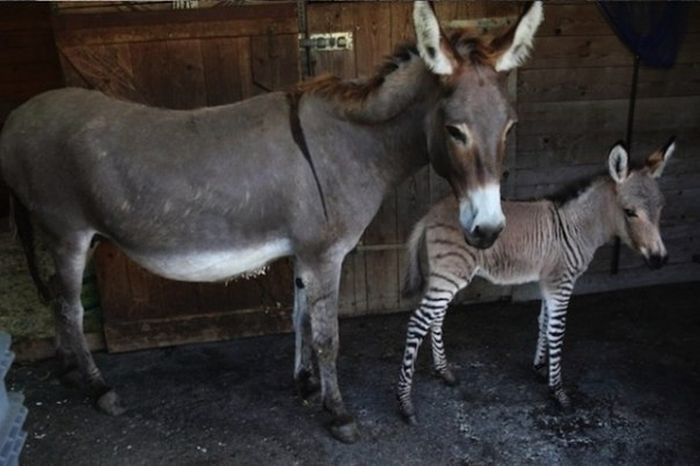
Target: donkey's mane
[[352, 94]]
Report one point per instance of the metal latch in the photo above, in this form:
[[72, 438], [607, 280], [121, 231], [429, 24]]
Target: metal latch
[[327, 42]]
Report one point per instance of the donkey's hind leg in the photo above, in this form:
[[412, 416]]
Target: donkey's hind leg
[[69, 255]]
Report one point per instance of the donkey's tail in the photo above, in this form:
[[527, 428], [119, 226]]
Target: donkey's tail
[[414, 280], [25, 231]]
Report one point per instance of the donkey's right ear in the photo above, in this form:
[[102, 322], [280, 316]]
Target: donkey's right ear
[[513, 48], [433, 48], [617, 163]]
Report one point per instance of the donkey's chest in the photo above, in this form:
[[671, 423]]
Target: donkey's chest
[[212, 266]]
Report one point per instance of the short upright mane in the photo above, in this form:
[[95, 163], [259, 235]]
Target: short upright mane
[[573, 190]]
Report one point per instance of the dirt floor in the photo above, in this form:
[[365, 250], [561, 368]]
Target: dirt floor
[[631, 364]]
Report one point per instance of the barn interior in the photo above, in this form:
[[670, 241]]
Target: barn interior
[[206, 368]]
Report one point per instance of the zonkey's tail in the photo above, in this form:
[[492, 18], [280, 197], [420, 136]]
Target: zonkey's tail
[[414, 280]]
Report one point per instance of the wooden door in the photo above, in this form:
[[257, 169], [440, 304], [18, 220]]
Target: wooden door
[[183, 59]]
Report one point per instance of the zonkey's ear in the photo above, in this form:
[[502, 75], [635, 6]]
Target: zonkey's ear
[[512, 49], [432, 46], [617, 163], [657, 161]]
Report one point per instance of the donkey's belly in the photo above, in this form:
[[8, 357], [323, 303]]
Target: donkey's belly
[[212, 266]]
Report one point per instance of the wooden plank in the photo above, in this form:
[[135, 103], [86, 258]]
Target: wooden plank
[[145, 26], [107, 68], [333, 17], [275, 61], [606, 115], [150, 333], [573, 20], [578, 51], [554, 149], [25, 16], [372, 36], [549, 85], [183, 65], [227, 70], [382, 282]]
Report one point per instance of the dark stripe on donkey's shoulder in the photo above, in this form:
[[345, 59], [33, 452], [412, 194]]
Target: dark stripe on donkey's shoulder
[[298, 135]]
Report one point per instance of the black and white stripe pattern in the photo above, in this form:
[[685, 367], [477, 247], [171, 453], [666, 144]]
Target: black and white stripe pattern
[[550, 243]]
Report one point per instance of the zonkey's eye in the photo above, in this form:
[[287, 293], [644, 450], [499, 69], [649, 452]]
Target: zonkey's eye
[[630, 213], [456, 133]]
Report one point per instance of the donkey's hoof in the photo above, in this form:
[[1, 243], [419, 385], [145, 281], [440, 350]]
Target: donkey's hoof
[[449, 378], [541, 373], [109, 403], [307, 386], [344, 428]]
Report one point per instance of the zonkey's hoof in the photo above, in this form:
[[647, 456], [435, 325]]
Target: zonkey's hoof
[[562, 400], [449, 378], [541, 373], [109, 403], [345, 429]]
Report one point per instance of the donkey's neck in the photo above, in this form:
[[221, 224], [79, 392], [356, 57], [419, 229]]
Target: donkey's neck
[[590, 217], [401, 81]]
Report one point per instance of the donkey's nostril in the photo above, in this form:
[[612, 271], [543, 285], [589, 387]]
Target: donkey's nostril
[[477, 231]]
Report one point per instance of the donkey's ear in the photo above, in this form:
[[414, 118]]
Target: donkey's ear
[[617, 163], [513, 48], [657, 161], [434, 49]]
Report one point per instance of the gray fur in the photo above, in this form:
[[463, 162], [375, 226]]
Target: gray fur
[[210, 193]]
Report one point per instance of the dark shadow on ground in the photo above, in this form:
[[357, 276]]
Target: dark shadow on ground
[[631, 364]]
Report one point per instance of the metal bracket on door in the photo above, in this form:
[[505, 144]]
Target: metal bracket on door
[[329, 42]]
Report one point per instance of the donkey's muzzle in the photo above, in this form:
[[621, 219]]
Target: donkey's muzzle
[[656, 261], [483, 237]]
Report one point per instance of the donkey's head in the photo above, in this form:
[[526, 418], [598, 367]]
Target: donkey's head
[[466, 130], [639, 201]]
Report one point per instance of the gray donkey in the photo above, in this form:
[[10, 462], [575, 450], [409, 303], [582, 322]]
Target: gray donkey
[[549, 242], [207, 194]]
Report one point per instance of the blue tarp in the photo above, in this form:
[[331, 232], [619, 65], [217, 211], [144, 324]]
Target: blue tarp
[[652, 30]]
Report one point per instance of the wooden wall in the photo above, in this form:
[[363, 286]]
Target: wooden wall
[[28, 60], [572, 99]]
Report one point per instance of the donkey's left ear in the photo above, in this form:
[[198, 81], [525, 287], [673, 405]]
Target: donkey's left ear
[[433, 47], [617, 163], [657, 161], [512, 49]]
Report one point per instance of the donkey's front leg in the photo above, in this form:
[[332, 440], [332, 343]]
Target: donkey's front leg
[[322, 280], [557, 304]]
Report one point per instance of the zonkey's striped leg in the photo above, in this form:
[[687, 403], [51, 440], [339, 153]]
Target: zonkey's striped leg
[[441, 290], [540, 363], [557, 303], [439, 359]]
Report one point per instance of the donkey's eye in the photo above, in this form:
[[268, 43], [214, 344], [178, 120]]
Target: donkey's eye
[[456, 133], [630, 213]]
